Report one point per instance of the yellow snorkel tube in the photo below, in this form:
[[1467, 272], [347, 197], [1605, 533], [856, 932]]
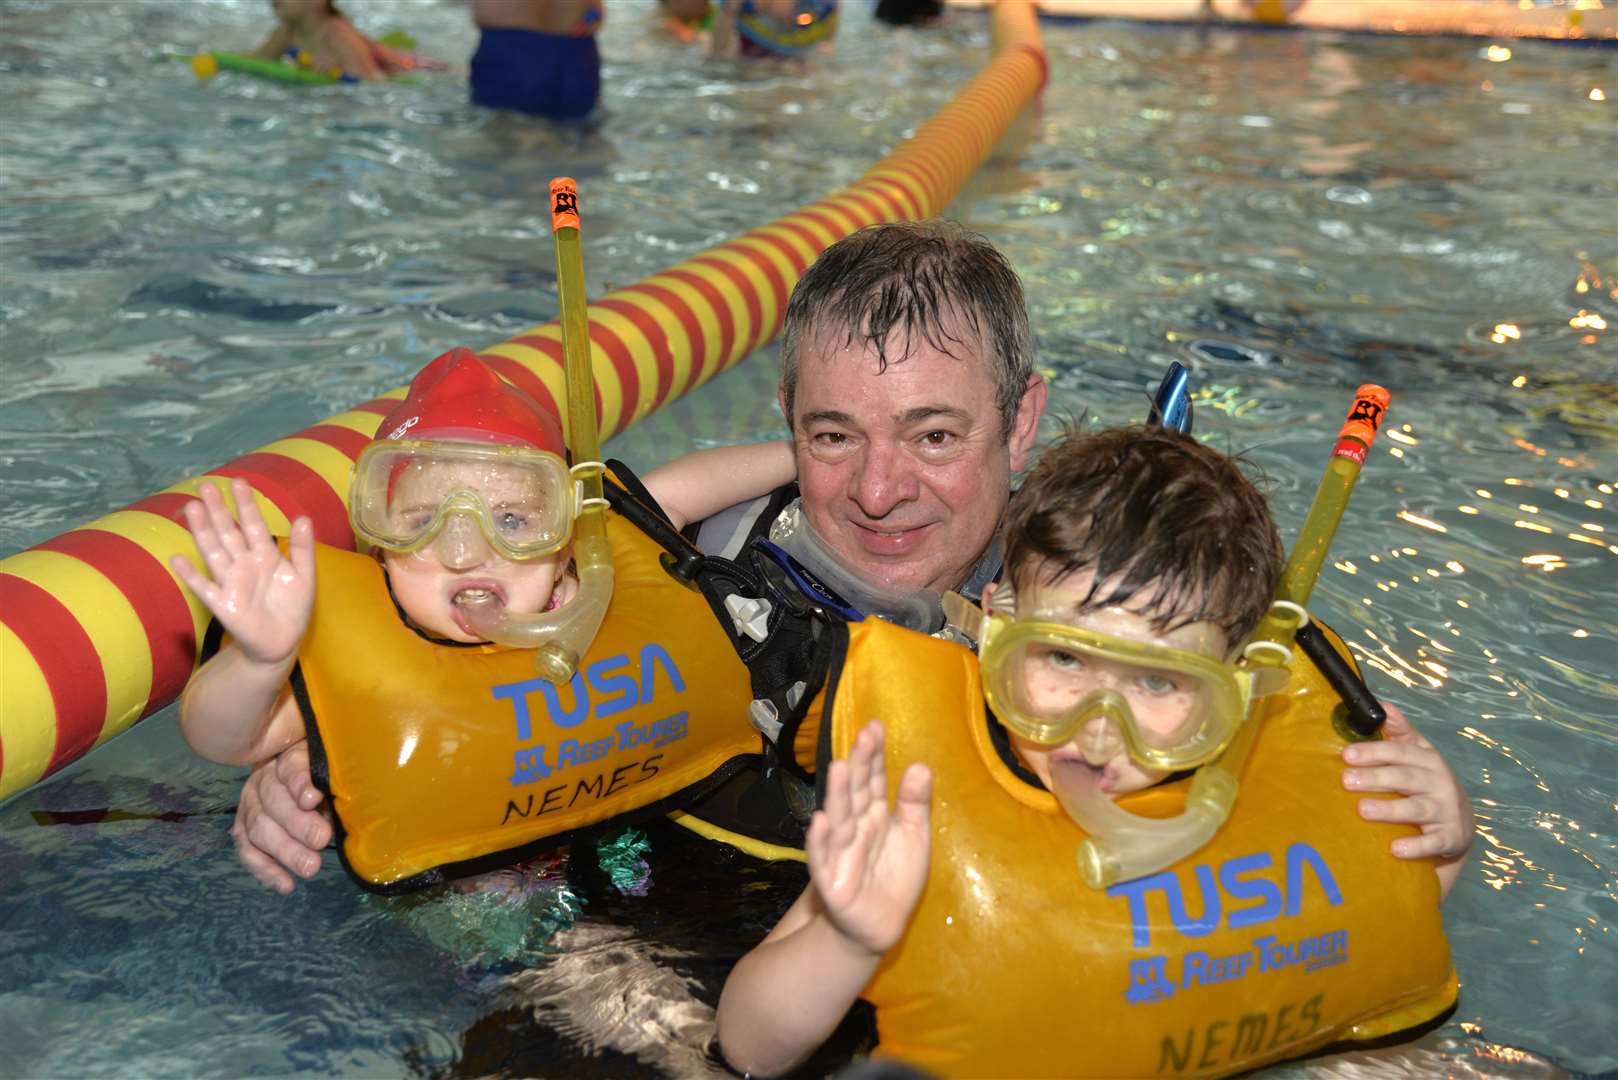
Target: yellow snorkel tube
[[561, 637], [1121, 845], [1331, 498]]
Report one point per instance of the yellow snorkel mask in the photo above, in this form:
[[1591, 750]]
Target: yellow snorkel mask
[[1171, 708], [406, 493]]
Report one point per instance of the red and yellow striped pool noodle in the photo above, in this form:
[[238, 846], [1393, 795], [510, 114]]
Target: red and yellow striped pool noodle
[[96, 632]]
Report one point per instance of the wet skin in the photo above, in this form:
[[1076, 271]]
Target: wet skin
[[905, 471]]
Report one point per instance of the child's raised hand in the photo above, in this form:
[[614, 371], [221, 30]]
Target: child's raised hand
[[1405, 763], [263, 598], [868, 864]]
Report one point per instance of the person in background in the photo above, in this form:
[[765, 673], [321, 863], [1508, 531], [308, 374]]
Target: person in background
[[909, 12], [537, 56], [1273, 12], [764, 29], [685, 19], [319, 37]]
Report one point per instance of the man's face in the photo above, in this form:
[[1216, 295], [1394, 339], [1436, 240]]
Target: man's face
[[904, 471]]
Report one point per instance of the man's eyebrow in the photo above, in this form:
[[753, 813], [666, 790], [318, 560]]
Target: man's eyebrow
[[931, 412], [828, 416], [905, 419]]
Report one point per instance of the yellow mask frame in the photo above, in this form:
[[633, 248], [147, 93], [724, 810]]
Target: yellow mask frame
[[377, 472], [1219, 705]]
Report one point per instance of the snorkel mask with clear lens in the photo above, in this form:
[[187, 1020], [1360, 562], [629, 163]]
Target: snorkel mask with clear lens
[[406, 491], [1054, 683], [1171, 708]]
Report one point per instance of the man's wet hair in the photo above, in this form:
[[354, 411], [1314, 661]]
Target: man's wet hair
[[1148, 508], [907, 277]]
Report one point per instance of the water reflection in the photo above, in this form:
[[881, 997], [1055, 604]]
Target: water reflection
[[1290, 215]]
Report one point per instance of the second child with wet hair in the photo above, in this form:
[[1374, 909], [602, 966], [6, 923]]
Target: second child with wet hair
[[1135, 555]]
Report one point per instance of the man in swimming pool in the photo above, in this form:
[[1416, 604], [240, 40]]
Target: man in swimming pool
[[909, 387], [537, 56]]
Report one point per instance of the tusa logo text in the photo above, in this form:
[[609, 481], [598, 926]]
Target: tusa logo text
[[603, 689], [1243, 892]]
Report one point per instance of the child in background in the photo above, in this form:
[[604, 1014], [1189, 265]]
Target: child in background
[[464, 494], [537, 56], [685, 19], [1142, 556], [322, 40], [315, 35], [771, 28]]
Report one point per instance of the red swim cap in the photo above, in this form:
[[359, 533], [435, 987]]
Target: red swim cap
[[457, 397]]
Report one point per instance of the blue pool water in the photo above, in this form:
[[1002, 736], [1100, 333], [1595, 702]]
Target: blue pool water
[[190, 271]]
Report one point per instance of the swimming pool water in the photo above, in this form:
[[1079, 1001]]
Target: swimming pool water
[[189, 271]]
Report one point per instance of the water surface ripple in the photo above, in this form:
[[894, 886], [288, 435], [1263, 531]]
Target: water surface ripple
[[190, 271]]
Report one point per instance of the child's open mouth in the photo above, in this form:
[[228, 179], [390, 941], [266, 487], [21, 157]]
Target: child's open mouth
[[481, 596], [475, 596], [1069, 767]]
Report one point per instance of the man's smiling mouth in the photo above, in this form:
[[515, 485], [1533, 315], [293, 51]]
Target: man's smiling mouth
[[889, 539]]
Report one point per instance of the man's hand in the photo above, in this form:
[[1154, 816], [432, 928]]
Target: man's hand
[[280, 824], [869, 865], [1405, 763]]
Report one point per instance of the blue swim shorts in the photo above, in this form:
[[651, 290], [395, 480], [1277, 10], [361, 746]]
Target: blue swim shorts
[[555, 75]]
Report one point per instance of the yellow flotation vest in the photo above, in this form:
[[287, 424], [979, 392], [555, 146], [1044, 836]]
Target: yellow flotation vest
[[1293, 929], [442, 759]]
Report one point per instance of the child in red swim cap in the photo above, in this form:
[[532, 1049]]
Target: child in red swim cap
[[467, 493], [465, 497]]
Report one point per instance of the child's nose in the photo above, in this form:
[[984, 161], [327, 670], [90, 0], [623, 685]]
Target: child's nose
[[1100, 740], [461, 546]]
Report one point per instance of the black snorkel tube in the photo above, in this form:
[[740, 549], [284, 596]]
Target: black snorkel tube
[[1362, 715], [1171, 405], [681, 558]]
